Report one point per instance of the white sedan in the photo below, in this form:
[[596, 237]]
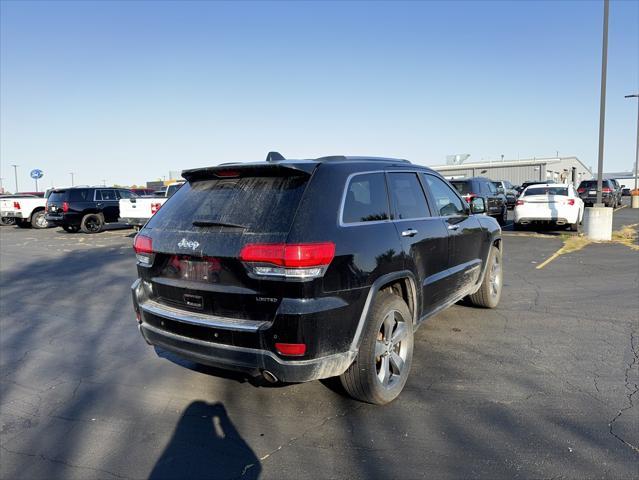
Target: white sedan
[[551, 202]]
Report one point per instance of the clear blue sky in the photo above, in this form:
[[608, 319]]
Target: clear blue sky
[[126, 91]]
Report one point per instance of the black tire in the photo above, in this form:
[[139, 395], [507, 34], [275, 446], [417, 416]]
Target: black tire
[[574, 227], [390, 317], [38, 220], [92, 223], [70, 228], [503, 218], [23, 223], [489, 292], [7, 221]]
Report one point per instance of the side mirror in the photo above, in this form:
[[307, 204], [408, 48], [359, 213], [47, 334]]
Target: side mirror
[[500, 189], [478, 205]]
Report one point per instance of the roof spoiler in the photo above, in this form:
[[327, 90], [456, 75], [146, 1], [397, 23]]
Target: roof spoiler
[[250, 169]]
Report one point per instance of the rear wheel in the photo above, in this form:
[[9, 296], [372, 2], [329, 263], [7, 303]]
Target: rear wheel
[[380, 370], [489, 292], [503, 219], [38, 220], [7, 221], [70, 228], [92, 223], [574, 227]]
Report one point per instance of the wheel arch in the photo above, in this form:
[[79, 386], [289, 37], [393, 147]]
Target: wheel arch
[[401, 283]]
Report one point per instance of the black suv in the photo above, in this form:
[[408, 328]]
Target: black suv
[[307, 269], [85, 208], [496, 203], [509, 190], [610, 194]]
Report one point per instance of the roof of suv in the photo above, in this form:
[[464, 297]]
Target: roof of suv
[[276, 160]]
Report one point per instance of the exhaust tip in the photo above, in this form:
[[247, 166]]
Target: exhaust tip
[[269, 377]]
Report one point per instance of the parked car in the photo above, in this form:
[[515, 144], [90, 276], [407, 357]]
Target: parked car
[[528, 183], [24, 211], [307, 269], [136, 211], [6, 221], [508, 189], [85, 208], [550, 203], [610, 196], [625, 192], [618, 191], [497, 205]]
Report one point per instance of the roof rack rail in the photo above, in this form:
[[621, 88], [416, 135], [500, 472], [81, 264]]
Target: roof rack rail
[[345, 158]]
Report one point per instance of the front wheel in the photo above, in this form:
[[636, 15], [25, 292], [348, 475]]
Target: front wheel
[[380, 370], [489, 292]]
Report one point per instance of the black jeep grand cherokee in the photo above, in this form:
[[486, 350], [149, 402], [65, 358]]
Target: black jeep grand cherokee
[[308, 269]]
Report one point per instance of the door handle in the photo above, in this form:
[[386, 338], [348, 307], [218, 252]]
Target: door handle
[[411, 232], [453, 227]]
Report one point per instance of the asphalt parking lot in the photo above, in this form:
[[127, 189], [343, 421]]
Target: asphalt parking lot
[[543, 386]]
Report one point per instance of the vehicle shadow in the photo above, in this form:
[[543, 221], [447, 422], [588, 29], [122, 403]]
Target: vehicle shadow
[[206, 444]]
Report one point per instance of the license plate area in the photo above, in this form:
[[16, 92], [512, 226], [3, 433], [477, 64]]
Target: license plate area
[[183, 267]]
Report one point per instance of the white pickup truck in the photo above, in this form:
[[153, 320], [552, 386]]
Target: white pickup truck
[[27, 211], [137, 211]]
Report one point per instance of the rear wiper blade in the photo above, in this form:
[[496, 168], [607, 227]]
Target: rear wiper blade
[[211, 223]]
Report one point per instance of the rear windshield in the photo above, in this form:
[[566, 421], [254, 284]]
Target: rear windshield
[[260, 204], [462, 187], [546, 191], [58, 196], [592, 184]]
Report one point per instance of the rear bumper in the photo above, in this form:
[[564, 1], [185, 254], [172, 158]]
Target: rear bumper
[[62, 219], [11, 214], [152, 317], [135, 222]]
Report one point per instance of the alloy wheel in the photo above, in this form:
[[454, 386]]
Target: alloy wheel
[[391, 349]]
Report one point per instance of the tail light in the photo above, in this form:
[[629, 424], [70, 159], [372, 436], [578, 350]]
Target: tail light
[[571, 201], [519, 202], [288, 260], [155, 207], [16, 205], [143, 247], [606, 190], [581, 190], [65, 206], [291, 349], [469, 197]]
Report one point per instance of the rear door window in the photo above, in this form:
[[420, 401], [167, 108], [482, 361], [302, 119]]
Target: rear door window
[[408, 196], [366, 199], [79, 195], [258, 204], [105, 195]]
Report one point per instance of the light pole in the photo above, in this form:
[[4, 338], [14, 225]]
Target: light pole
[[15, 175], [71, 173], [637, 148], [602, 104], [597, 219]]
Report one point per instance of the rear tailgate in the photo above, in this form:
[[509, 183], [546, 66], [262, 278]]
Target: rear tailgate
[[8, 206], [140, 207], [198, 234]]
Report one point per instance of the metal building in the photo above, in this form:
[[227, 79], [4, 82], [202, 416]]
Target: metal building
[[558, 169]]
